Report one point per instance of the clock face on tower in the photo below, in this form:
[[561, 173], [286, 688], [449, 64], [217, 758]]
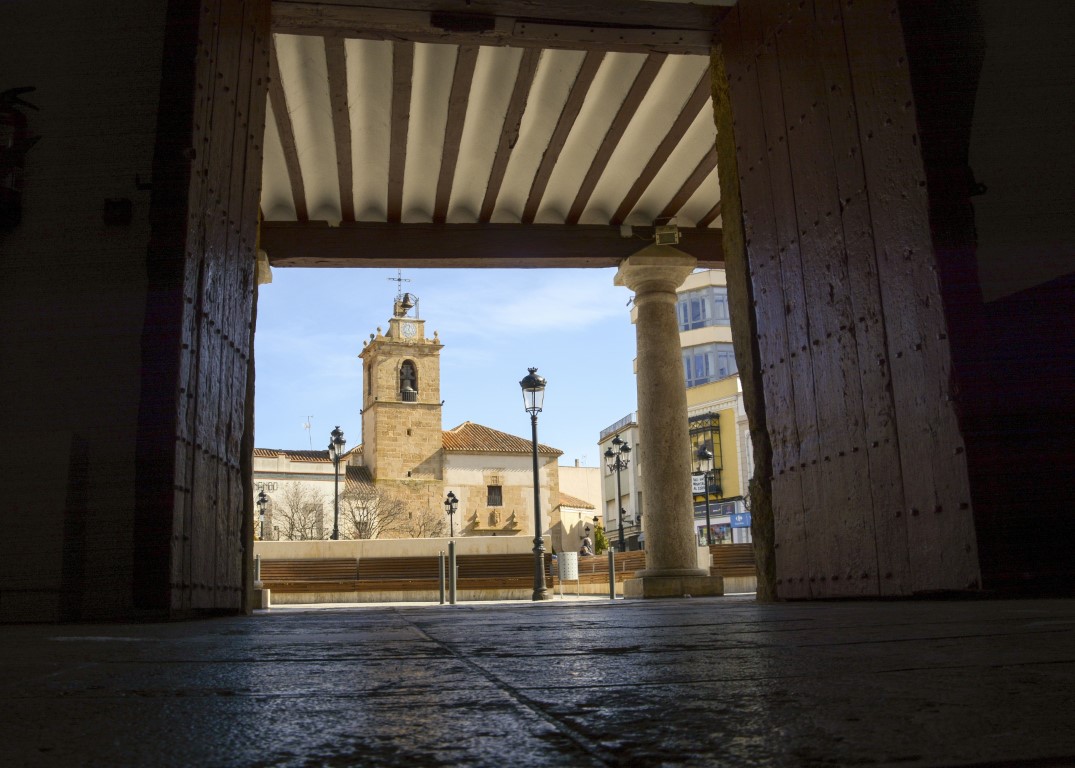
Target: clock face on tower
[[408, 330]]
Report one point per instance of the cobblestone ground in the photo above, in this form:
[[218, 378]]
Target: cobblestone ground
[[718, 681]]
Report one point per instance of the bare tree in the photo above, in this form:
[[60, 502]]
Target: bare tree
[[423, 524], [298, 511], [367, 512]]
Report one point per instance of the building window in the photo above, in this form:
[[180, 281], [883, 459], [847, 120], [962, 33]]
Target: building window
[[703, 307], [708, 362], [495, 497]]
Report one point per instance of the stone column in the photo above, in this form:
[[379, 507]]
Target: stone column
[[654, 274]]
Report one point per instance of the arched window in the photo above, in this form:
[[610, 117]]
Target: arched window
[[408, 382]]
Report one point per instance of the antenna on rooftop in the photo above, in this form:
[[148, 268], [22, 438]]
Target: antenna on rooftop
[[308, 426]]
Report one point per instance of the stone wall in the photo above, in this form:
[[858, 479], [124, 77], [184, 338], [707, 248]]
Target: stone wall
[[407, 441], [469, 476]]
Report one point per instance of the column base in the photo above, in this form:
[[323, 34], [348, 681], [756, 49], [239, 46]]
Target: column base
[[674, 586]]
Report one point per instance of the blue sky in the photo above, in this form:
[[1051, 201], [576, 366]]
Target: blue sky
[[573, 325]]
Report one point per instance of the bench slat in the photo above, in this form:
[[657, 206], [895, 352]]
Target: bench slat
[[413, 573], [732, 560]]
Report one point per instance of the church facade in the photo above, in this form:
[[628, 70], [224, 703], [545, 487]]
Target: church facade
[[395, 483]]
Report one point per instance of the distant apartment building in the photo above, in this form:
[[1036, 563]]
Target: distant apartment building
[[716, 419]]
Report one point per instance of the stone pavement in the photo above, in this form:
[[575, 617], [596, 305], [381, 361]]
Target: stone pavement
[[691, 682]]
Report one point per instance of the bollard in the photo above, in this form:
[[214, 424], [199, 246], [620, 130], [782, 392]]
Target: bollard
[[257, 571], [441, 559], [451, 572], [611, 573]]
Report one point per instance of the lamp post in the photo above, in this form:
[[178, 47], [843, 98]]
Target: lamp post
[[451, 504], [617, 460], [335, 452], [705, 466], [263, 501], [533, 396]]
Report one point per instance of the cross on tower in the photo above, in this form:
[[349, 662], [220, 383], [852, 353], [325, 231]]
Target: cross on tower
[[399, 280]]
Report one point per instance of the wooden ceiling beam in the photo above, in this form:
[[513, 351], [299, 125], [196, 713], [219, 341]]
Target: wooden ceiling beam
[[690, 185], [583, 80], [509, 134], [660, 155], [336, 59], [402, 68], [711, 216], [633, 26], [287, 134], [378, 244], [465, 60], [639, 88]]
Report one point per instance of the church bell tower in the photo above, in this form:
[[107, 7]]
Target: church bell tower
[[401, 404]]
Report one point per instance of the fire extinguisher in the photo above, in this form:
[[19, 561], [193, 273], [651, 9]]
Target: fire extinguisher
[[15, 142]]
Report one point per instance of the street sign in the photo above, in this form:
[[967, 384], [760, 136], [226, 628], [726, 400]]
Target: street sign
[[698, 484]]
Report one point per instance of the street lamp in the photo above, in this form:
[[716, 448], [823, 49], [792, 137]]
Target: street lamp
[[705, 467], [335, 452], [451, 504], [533, 395], [263, 501], [617, 460]]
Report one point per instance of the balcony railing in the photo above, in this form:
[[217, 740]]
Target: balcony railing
[[618, 426]]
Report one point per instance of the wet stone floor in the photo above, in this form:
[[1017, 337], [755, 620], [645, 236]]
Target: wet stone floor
[[702, 682]]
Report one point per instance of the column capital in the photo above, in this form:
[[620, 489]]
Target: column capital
[[655, 268]]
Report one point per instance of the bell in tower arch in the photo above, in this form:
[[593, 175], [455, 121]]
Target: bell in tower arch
[[407, 380]]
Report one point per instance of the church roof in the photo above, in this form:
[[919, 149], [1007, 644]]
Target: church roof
[[274, 453], [469, 437], [358, 476], [567, 500]]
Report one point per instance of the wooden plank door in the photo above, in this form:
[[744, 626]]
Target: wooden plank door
[[869, 485]]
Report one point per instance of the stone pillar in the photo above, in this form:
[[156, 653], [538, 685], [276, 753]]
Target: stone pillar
[[654, 274]]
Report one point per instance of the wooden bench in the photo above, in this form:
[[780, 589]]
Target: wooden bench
[[594, 570], [510, 571], [322, 575], [732, 560], [398, 573]]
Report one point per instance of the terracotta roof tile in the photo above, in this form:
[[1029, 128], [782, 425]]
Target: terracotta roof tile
[[274, 453], [358, 476], [567, 500], [469, 437]]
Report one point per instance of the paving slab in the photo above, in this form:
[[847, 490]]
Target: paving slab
[[686, 682]]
